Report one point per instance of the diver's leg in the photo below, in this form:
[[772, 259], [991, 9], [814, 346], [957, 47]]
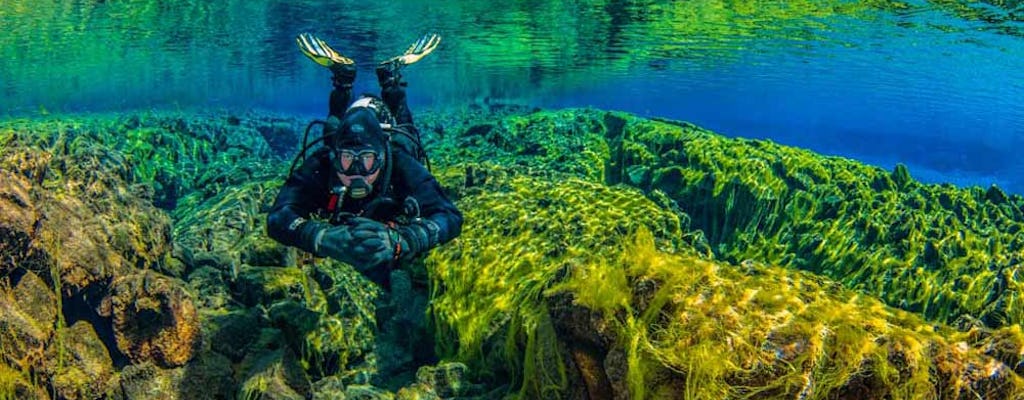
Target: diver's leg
[[341, 96], [392, 90]]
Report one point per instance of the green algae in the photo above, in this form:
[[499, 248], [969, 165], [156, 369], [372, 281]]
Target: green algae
[[706, 330], [933, 249], [939, 250], [550, 213], [487, 290]]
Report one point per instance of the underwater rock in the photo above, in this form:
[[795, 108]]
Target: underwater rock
[[207, 377], [367, 392], [231, 333], [345, 337], [589, 337], [154, 319], [329, 388], [268, 252], [266, 285], [280, 134], [146, 381], [18, 218], [523, 238], [696, 326], [18, 385], [447, 380], [86, 223], [938, 249], [228, 228], [79, 365], [416, 391], [210, 288], [28, 315], [272, 371]]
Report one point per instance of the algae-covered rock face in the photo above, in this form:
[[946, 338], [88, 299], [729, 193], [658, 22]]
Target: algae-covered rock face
[[154, 319], [753, 200], [81, 369], [78, 221], [28, 315], [647, 321], [938, 250], [18, 217]]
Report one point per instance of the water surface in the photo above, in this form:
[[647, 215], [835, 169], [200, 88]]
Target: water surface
[[937, 85]]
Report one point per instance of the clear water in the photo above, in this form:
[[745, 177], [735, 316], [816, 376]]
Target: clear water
[[938, 85]]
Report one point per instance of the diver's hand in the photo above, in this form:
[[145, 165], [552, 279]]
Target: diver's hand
[[416, 51], [377, 241], [321, 53], [339, 243]]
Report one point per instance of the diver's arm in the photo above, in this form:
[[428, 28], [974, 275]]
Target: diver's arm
[[441, 219], [288, 220]]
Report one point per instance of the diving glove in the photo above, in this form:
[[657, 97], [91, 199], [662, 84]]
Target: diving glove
[[400, 243], [378, 241], [419, 236], [339, 242]]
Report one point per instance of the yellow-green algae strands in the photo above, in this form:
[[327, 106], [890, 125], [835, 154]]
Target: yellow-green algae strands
[[724, 331], [948, 253]]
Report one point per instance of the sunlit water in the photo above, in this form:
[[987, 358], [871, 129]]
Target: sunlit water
[[936, 85]]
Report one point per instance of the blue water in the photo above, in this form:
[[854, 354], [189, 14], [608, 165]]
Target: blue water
[[936, 85]]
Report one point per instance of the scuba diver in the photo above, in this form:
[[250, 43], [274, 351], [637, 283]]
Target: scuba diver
[[364, 197]]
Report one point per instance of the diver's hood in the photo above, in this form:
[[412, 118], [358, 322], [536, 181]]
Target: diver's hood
[[360, 128]]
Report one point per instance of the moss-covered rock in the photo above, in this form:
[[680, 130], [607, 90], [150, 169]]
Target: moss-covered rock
[[154, 319], [208, 376], [86, 224], [18, 385], [28, 317], [266, 285], [230, 226], [272, 371], [79, 365], [231, 333], [938, 250], [329, 388], [447, 380], [18, 217], [210, 287], [517, 243]]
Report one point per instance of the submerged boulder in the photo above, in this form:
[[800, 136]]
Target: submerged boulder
[[28, 319], [18, 218], [207, 377], [272, 371], [154, 319], [79, 365], [78, 219]]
